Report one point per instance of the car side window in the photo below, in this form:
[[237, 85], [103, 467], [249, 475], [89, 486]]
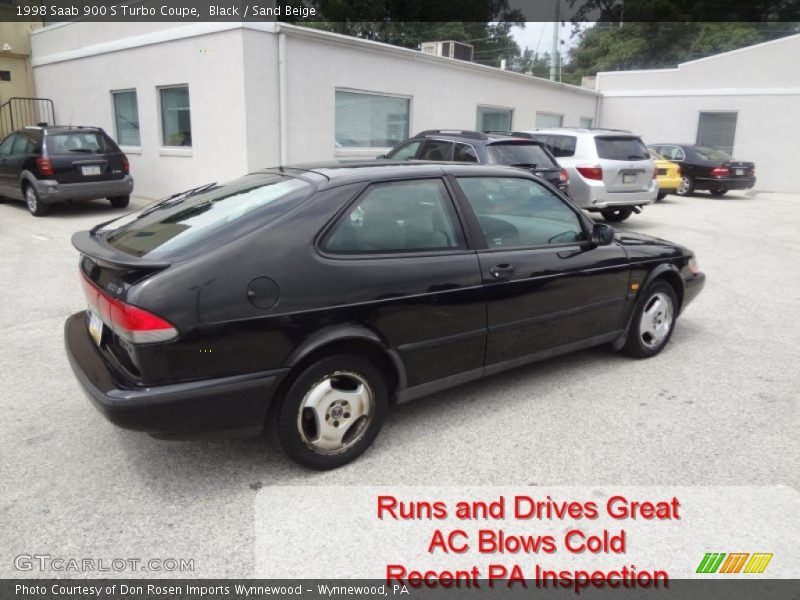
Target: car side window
[[520, 213], [5, 147], [465, 153], [560, 146], [437, 150], [405, 151], [22, 145], [402, 216]]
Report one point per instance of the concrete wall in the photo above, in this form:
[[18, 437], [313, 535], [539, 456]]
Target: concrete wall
[[80, 76], [761, 83]]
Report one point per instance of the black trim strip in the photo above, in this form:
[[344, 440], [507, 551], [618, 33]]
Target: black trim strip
[[555, 315], [441, 341]]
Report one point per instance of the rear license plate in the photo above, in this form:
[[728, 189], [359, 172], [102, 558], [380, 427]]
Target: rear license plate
[[740, 171], [629, 178], [91, 170], [95, 327]]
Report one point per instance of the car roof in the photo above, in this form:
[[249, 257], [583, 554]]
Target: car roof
[[61, 128], [470, 137], [335, 173], [595, 131]]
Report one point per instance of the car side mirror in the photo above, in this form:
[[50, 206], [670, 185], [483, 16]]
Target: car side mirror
[[602, 234]]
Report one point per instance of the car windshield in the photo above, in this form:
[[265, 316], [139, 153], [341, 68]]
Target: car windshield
[[711, 153], [656, 155], [76, 143], [621, 148], [174, 225], [519, 154]]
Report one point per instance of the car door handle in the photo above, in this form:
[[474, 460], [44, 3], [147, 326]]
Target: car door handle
[[502, 271]]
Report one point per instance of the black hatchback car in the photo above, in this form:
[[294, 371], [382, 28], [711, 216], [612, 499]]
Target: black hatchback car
[[43, 165], [307, 298], [711, 169], [515, 150]]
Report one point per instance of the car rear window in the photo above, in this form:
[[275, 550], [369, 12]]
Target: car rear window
[[179, 224], [519, 154], [91, 142], [559, 146], [711, 153], [621, 148]]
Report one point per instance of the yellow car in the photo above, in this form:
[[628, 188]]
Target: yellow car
[[668, 175]]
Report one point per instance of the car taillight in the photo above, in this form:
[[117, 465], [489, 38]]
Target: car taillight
[[126, 167], [655, 173], [720, 172], [129, 322], [563, 176], [45, 166], [591, 172], [678, 170]]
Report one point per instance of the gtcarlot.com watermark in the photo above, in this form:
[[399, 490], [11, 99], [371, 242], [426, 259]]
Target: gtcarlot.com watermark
[[47, 562]]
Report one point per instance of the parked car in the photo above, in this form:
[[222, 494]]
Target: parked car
[[309, 297], [483, 148], [668, 175], [704, 168], [43, 165], [610, 171]]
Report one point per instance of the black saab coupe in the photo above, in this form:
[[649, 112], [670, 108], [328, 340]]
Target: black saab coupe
[[304, 299]]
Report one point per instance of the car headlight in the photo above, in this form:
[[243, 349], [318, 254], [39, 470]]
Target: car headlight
[[693, 268]]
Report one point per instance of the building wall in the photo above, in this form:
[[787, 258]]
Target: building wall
[[79, 77], [761, 83], [15, 49]]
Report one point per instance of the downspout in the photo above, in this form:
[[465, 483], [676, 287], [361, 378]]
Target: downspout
[[282, 119]]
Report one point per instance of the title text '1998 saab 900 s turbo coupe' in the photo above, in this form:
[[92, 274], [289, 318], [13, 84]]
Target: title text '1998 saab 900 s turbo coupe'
[[303, 300]]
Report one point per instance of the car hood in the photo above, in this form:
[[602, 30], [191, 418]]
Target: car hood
[[641, 246]]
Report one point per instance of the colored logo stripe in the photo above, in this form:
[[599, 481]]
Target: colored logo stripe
[[758, 563], [710, 562], [734, 562]]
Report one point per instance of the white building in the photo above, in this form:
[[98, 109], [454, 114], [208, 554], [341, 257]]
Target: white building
[[747, 101], [211, 101]]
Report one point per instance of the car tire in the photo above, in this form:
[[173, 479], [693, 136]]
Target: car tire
[[346, 392], [120, 201], [718, 192], [35, 205], [661, 196], [653, 321], [617, 215], [686, 187]]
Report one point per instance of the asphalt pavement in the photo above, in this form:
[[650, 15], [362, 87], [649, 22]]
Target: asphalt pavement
[[718, 407]]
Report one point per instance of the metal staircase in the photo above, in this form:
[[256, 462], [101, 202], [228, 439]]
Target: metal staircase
[[17, 112]]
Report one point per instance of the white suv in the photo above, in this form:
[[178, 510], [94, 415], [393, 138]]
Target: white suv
[[610, 171]]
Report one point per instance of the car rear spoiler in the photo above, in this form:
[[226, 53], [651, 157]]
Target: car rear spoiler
[[92, 246]]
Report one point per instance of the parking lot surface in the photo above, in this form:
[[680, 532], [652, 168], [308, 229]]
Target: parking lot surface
[[718, 407]]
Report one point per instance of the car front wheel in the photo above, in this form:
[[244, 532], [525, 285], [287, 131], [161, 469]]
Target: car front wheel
[[36, 207], [617, 215], [120, 201], [653, 321], [686, 187], [332, 411]]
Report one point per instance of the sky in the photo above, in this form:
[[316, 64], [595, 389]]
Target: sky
[[538, 36]]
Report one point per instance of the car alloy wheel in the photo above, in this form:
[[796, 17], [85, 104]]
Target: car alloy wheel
[[336, 412], [36, 207], [657, 319], [686, 187]]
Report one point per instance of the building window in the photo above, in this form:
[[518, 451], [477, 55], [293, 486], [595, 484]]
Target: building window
[[370, 120], [5, 75], [586, 122], [717, 130], [126, 117], [547, 120], [176, 123], [494, 119]]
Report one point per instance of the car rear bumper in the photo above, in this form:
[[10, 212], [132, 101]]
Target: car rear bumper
[[731, 183], [595, 196], [51, 191], [225, 407], [669, 184]]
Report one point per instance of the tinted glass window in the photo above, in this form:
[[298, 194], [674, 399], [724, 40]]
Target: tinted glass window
[[437, 150], [711, 153], [177, 223], [92, 142], [22, 145], [520, 213], [8, 143], [621, 148], [176, 116], [405, 152], [370, 120], [494, 119], [465, 153], [126, 116], [407, 216], [519, 154], [559, 145]]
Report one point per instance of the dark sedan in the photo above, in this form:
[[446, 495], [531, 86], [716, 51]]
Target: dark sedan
[[305, 299], [704, 168]]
